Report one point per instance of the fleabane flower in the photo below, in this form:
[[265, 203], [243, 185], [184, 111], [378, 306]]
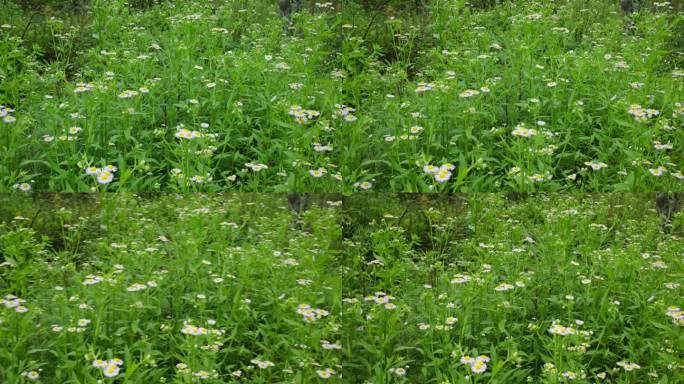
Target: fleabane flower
[[557, 329], [189, 329], [595, 165], [110, 368], [521, 131], [325, 373], [31, 375], [24, 187], [442, 175], [105, 177], [317, 172], [658, 171], [477, 364], [628, 366], [262, 364]]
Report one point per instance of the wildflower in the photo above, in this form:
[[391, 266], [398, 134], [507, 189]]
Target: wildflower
[[92, 280], [31, 375], [538, 178], [676, 314], [627, 366], [329, 346], [401, 372], [105, 177], [659, 171], [136, 287], [111, 370], [642, 114], [661, 147], [477, 364], [263, 364], [416, 129], [199, 179], [570, 375], [442, 175], [256, 167], [557, 329], [365, 185], [317, 172], [521, 131], [201, 374], [325, 373], [310, 314], [424, 87], [469, 93], [303, 116], [460, 279], [503, 287], [83, 87], [595, 165], [93, 171], [21, 309], [127, 94], [430, 169], [189, 329], [478, 367], [24, 187], [83, 322], [350, 118], [186, 134]]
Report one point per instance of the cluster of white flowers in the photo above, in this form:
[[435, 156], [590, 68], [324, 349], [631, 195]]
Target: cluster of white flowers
[[642, 114], [345, 113], [522, 131], [676, 314], [110, 368], [557, 329], [187, 134], [263, 364], [303, 116], [24, 187], [310, 314], [383, 299], [424, 87], [83, 87], [441, 173], [256, 167], [104, 175], [15, 303], [477, 364], [140, 287], [5, 115]]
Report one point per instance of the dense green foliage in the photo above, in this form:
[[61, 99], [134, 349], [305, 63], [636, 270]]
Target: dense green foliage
[[204, 95], [406, 286]]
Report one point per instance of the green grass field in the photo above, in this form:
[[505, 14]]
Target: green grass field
[[220, 96], [367, 289]]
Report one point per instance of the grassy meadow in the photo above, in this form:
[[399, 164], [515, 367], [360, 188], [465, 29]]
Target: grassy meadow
[[369, 288], [440, 95]]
